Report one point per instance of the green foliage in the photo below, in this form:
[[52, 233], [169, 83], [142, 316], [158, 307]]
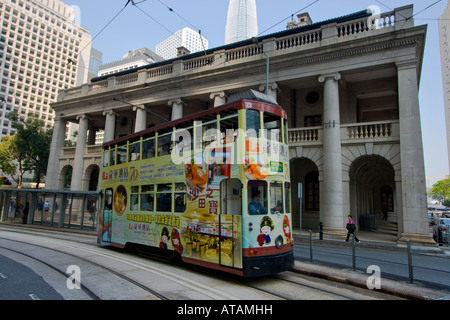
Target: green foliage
[[32, 144], [441, 191]]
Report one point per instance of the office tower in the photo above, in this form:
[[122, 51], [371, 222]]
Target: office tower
[[42, 50], [242, 21], [444, 36], [187, 38]]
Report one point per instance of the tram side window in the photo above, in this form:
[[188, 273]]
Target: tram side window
[[134, 197], [180, 197], [105, 158], [253, 123], [272, 124], [135, 151], [287, 194], [148, 148], [121, 154], [164, 144], [147, 197], [276, 197], [257, 195], [229, 128], [164, 197], [112, 156]]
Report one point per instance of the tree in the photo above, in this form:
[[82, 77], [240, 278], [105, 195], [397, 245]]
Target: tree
[[33, 140], [441, 191], [12, 159]]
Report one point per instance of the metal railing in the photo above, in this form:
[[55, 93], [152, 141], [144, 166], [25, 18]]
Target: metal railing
[[414, 264]]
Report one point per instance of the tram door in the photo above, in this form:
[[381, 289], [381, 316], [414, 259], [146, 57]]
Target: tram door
[[107, 216], [230, 223]]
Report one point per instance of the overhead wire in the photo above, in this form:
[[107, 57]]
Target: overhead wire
[[69, 61]]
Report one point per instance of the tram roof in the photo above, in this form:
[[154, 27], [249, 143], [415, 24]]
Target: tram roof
[[259, 102]]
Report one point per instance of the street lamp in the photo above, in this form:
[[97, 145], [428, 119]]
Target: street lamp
[[255, 41]]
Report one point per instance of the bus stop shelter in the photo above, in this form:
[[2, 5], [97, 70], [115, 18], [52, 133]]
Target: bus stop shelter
[[55, 208]]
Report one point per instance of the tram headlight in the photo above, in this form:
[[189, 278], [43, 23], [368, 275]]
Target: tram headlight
[[279, 242]]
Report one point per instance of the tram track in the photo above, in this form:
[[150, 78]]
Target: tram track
[[154, 276], [127, 261], [90, 289]]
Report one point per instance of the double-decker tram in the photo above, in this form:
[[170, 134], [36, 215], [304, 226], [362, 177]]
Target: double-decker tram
[[212, 188]]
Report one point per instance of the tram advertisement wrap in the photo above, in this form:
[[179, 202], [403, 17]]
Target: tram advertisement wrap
[[196, 231]]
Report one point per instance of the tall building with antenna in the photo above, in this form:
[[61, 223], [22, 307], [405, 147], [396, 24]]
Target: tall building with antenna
[[242, 21]]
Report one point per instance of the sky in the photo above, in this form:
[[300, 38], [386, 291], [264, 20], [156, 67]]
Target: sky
[[116, 31]]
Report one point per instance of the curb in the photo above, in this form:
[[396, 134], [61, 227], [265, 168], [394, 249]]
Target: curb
[[357, 279]]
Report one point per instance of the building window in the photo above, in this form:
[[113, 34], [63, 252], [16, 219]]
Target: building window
[[312, 191], [387, 198]]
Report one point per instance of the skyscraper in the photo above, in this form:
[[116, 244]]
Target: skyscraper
[[40, 53], [242, 21], [187, 38]]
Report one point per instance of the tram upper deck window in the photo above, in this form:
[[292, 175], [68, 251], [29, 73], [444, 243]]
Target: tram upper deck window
[[272, 125], [134, 151], [229, 126], [148, 148], [253, 123], [257, 195], [112, 156], [105, 158], [121, 154], [164, 144]]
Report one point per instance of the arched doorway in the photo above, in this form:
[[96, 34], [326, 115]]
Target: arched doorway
[[91, 178], [65, 177], [372, 191], [305, 171]]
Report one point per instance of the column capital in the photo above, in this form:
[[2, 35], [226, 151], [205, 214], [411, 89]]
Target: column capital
[[272, 86], [139, 107], [82, 117], [178, 101], [331, 76], [110, 113], [220, 94], [406, 64]]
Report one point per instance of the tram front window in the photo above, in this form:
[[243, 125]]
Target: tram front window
[[257, 195]]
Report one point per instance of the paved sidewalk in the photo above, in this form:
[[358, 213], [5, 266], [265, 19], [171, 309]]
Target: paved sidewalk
[[372, 240]]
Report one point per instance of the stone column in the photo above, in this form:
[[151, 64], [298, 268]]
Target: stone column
[[220, 98], [331, 206], [110, 125], [78, 165], [177, 108], [58, 138], [413, 186], [141, 118]]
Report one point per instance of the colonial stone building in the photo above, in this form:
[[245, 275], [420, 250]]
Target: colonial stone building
[[350, 87]]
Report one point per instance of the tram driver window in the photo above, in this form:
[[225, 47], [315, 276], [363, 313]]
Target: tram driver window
[[276, 197], [272, 124], [257, 197], [253, 123]]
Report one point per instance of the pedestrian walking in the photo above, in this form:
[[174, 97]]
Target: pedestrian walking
[[385, 214], [351, 228]]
